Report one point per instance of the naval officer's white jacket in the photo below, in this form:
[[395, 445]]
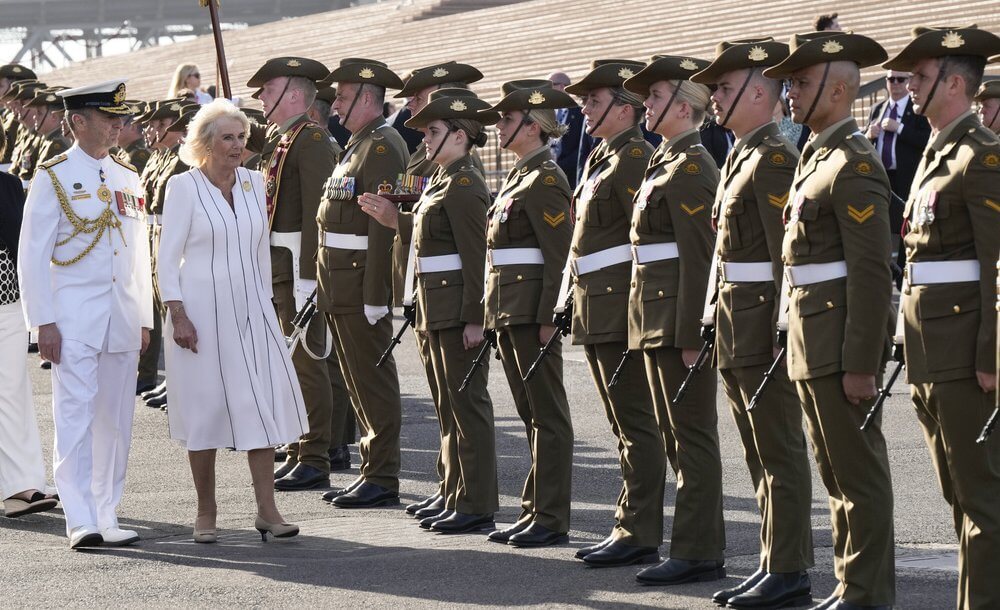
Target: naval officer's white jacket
[[106, 295]]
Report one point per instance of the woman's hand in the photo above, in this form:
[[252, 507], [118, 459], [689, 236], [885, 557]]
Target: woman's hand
[[472, 336], [381, 209], [185, 334]]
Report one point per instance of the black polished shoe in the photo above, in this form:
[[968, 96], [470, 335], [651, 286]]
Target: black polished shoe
[[284, 469], [32, 348], [340, 458], [45, 364], [503, 536], [827, 603], [303, 476], [620, 554], [281, 454], [775, 591], [411, 509], [141, 387], [157, 401], [160, 389], [537, 535], [722, 597], [427, 522], [846, 605], [367, 495], [678, 571], [462, 523], [587, 550], [333, 493], [434, 508]]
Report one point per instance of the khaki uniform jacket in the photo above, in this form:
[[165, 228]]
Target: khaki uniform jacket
[[349, 279], [954, 214], [674, 204], [137, 154], [9, 126], [25, 154], [839, 211], [308, 164], [148, 175], [451, 219], [748, 213], [603, 209], [531, 211], [52, 144], [169, 167]]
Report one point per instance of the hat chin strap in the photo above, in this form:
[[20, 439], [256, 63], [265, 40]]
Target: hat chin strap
[[822, 85], [600, 121], [994, 119], [670, 102], [942, 72], [524, 121], [350, 109], [441, 145], [739, 96], [280, 97]]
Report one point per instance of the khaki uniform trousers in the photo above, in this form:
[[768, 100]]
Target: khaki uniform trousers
[[149, 361], [854, 466], [774, 446], [691, 438], [374, 393], [952, 414], [639, 516], [542, 405], [470, 460], [328, 404], [423, 348]]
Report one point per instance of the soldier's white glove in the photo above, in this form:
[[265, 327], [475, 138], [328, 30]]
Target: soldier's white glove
[[374, 313]]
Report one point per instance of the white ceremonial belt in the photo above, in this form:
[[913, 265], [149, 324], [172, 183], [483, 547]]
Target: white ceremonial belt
[[942, 272], [650, 253], [515, 256], [802, 275], [582, 265], [436, 264], [746, 272], [290, 240], [344, 241]]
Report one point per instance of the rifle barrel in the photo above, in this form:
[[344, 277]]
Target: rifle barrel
[[883, 394]]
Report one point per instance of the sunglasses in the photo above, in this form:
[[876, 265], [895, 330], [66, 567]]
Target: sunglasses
[[897, 79], [195, 74]]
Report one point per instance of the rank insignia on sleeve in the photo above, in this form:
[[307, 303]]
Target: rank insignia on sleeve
[[549, 180], [691, 211], [863, 168], [777, 201], [631, 191], [554, 220], [991, 160], [861, 215], [777, 158], [465, 181], [317, 136], [692, 168], [380, 149], [636, 152], [993, 205]]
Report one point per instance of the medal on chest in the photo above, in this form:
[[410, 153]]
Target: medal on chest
[[796, 208], [645, 191], [590, 189], [926, 206], [128, 204]]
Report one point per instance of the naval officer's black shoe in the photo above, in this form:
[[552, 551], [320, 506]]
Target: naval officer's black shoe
[[679, 571], [587, 550], [503, 536], [775, 591], [411, 509], [303, 476], [32, 348], [45, 364], [333, 493], [618, 553], [434, 508], [367, 495], [340, 458], [160, 389], [284, 469], [537, 535], [722, 597], [462, 523], [157, 400], [427, 522]]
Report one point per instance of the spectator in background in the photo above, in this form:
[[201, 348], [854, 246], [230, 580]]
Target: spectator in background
[[827, 23], [717, 139], [797, 133], [988, 97], [397, 120], [566, 149], [187, 76]]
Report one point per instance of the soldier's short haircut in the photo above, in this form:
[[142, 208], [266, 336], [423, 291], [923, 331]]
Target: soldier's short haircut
[[970, 68], [377, 92], [771, 85], [823, 22], [322, 108], [306, 86]]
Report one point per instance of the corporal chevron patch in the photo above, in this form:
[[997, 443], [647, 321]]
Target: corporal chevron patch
[[777, 201], [993, 205], [861, 215], [691, 211], [554, 220]]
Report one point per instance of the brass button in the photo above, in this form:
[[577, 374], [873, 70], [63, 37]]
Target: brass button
[[659, 293], [576, 280], [354, 264], [729, 212], [444, 282], [762, 299], [610, 289], [520, 277], [633, 284], [956, 309], [829, 304]]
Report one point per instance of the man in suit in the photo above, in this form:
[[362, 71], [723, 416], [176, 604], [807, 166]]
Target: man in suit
[[567, 148], [898, 133], [988, 97]]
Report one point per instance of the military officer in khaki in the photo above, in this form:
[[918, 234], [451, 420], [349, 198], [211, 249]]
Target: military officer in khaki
[[598, 273], [527, 239], [355, 283], [988, 97], [948, 320], [446, 259], [131, 144], [742, 305], [836, 256], [25, 154], [49, 113], [671, 238], [10, 74]]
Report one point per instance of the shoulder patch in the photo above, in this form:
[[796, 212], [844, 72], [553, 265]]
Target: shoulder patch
[[692, 168], [317, 136], [554, 220], [777, 158], [464, 181], [991, 159], [381, 149], [860, 215], [549, 180], [692, 210], [56, 160], [636, 152], [863, 168], [993, 205]]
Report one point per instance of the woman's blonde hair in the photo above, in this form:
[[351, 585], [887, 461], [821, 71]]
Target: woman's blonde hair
[[181, 75], [203, 127], [548, 124], [697, 96]]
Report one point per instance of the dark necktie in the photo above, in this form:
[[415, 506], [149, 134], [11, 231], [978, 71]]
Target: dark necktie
[[887, 139]]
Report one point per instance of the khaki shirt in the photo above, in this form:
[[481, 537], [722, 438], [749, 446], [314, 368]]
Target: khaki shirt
[[170, 166], [748, 213], [136, 154], [954, 214], [667, 297], [839, 211], [348, 279], [603, 210], [25, 154], [531, 211]]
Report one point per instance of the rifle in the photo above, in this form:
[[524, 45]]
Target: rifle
[[490, 337], [708, 335], [563, 322], [301, 322], [772, 371], [409, 318], [618, 369], [885, 392], [220, 52], [988, 428]]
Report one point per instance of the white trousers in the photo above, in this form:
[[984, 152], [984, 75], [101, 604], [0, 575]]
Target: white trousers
[[21, 464], [93, 400]]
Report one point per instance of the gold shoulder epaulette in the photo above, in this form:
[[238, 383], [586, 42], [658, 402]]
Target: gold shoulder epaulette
[[54, 161], [123, 163]]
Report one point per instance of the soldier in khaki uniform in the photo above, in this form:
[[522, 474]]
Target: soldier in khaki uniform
[[25, 153], [598, 273], [355, 282], [836, 255], [131, 144], [988, 97], [671, 235], [528, 235], [948, 321], [743, 308], [10, 74], [446, 258], [49, 112]]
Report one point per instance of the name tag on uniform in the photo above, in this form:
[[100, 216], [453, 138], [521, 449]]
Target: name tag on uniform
[[129, 205], [339, 188], [642, 200]]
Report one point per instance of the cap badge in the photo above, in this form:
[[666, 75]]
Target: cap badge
[[626, 73], [16, 69], [50, 98], [120, 94], [536, 98], [366, 73], [439, 73], [952, 40], [832, 46], [757, 54], [687, 64], [293, 63], [175, 106], [458, 106]]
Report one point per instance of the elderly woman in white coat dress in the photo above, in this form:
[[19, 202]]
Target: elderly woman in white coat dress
[[237, 386]]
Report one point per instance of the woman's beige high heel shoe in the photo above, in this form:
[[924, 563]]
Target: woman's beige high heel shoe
[[278, 530], [204, 536]]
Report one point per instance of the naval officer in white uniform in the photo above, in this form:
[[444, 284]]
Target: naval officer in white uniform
[[86, 286]]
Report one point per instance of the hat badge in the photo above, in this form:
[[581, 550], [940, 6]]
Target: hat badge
[[16, 69], [458, 106], [952, 40], [293, 63], [439, 73], [50, 98], [536, 98], [120, 94], [175, 106], [366, 73], [687, 64], [626, 73], [757, 54], [832, 47]]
